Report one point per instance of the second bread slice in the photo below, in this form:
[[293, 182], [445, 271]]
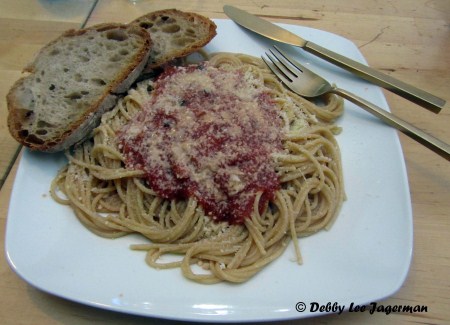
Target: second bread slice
[[175, 34]]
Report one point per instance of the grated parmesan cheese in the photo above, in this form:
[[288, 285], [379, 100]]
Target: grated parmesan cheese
[[209, 133]]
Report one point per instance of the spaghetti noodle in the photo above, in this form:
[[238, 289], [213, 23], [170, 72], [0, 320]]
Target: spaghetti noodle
[[113, 197]]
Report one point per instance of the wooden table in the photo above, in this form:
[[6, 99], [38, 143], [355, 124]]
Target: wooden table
[[409, 39]]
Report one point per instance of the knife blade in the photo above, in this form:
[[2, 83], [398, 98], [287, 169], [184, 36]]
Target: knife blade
[[276, 33]]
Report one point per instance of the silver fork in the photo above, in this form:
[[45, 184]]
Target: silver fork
[[306, 83]]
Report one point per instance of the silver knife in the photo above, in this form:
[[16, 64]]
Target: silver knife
[[274, 32]]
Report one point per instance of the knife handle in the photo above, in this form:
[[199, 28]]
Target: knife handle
[[418, 96]]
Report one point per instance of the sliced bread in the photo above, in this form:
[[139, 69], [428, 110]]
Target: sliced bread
[[72, 82], [175, 34]]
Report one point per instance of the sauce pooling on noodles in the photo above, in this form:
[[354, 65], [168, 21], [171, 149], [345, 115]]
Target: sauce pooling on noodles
[[207, 133]]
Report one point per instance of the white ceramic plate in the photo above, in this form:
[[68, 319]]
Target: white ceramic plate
[[364, 258]]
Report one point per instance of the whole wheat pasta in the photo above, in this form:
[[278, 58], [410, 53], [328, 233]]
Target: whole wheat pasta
[[112, 199]]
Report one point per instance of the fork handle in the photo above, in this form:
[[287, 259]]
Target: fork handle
[[416, 95], [438, 146]]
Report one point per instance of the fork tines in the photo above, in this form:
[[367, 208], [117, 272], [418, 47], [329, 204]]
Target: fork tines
[[283, 63]]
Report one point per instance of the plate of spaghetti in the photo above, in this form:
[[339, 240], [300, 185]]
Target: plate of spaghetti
[[212, 193]]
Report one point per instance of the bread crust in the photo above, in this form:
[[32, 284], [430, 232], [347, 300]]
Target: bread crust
[[80, 128]]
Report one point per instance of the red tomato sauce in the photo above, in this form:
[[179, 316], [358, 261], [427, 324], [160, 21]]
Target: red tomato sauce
[[207, 133]]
